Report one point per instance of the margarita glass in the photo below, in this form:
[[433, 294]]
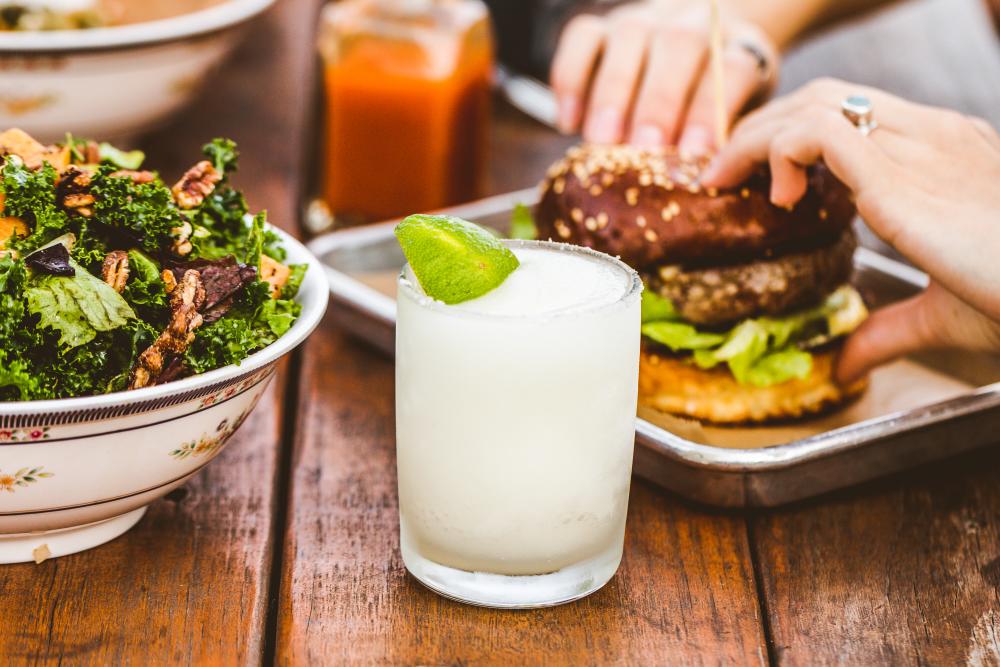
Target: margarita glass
[[515, 423]]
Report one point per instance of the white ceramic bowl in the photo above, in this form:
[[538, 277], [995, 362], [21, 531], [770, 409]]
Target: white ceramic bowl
[[77, 472], [110, 83]]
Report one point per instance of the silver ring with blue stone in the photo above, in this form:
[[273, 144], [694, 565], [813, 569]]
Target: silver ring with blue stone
[[859, 110]]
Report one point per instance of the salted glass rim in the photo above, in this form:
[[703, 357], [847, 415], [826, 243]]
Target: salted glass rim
[[411, 291]]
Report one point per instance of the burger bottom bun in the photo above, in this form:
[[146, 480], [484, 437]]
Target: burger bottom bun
[[676, 386]]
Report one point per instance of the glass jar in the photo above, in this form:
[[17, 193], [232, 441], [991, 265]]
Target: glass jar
[[407, 105]]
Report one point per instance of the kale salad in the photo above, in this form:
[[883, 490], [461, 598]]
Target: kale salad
[[110, 279]]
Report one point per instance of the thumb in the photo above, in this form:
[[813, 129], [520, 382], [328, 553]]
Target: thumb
[[935, 318], [889, 333]]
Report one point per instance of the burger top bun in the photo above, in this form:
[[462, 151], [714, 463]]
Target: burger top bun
[[650, 209]]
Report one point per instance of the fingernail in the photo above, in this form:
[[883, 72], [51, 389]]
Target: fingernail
[[696, 141], [779, 198], [568, 114], [604, 127], [711, 172], [647, 136]]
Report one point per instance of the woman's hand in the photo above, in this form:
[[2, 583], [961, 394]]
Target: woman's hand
[[640, 74], [926, 180]]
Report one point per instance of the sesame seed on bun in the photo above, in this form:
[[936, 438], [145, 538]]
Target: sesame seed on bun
[[649, 208]]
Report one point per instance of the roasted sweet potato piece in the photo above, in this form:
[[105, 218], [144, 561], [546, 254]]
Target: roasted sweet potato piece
[[274, 273], [9, 227], [18, 142]]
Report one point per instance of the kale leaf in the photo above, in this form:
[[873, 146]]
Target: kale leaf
[[33, 365], [31, 196], [144, 211], [222, 227], [223, 155], [12, 308], [255, 241], [145, 290], [294, 281], [255, 321], [16, 379]]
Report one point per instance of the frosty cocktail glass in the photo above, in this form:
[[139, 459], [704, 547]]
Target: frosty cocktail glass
[[515, 417]]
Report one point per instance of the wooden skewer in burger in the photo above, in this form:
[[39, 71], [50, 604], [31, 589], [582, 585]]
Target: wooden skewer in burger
[[718, 78]]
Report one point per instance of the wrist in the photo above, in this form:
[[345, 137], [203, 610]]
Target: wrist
[[783, 22]]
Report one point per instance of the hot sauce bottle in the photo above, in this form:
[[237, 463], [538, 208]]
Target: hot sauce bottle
[[407, 105]]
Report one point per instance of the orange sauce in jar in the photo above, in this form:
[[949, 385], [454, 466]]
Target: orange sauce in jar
[[407, 106]]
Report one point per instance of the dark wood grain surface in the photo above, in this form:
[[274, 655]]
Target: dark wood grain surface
[[685, 587], [286, 548], [905, 571], [190, 583], [187, 585]]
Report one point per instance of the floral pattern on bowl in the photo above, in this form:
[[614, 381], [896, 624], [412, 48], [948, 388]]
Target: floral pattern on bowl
[[24, 434], [22, 477], [207, 445]]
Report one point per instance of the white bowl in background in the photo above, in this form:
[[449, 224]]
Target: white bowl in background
[[77, 472], [114, 82]]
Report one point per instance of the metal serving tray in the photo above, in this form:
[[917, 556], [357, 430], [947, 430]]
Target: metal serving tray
[[362, 264]]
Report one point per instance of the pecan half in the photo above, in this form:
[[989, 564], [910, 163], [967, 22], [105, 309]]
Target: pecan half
[[182, 243], [114, 270], [139, 177], [186, 297], [169, 281], [73, 192], [196, 184], [91, 152]]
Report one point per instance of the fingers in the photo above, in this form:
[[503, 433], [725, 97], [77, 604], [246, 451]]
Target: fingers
[[637, 72], [611, 97], [748, 147], [579, 46], [934, 319], [893, 114], [676, 58], [889, 333], [743, 81], [751, 145], [792, 143], [790, 152], [826, 136]]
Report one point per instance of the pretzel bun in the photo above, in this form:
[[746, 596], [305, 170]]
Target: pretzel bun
[[649, 209]]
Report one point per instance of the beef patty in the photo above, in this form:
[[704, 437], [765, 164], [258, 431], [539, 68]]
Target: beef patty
[[724, 294]]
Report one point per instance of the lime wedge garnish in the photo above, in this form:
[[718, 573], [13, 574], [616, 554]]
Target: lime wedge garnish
[[453, 259]]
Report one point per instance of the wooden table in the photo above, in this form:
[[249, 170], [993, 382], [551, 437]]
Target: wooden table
[[286, 550]]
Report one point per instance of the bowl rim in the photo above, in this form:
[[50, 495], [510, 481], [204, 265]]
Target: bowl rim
[[199, 22], [313, 295]]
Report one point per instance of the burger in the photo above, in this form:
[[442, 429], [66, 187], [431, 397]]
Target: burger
[[745, 304]]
